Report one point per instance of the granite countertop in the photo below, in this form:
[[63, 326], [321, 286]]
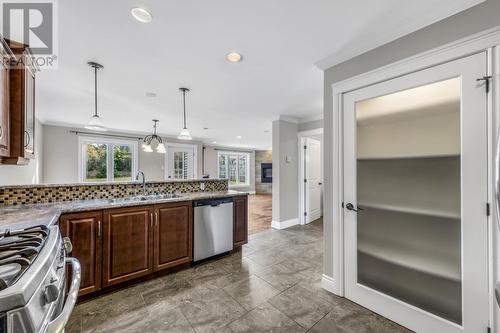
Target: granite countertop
[[24, 216]]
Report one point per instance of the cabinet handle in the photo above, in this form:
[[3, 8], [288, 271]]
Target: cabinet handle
[[151, 222], [28, 139], [156, 217], [1, 132], [99, 228]]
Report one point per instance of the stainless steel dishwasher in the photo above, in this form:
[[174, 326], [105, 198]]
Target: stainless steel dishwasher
[[213, 227]]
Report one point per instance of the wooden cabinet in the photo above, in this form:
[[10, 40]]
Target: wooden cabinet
[[5, 56], [240, 206], [127, 244], [173, 233], [117, 245], [22, 106], [84, 231]]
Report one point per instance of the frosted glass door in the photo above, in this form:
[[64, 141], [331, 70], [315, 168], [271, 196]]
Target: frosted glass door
[[414, 147]]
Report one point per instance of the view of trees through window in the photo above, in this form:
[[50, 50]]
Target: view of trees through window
[[233, 166], [97, 163], [99, 156]]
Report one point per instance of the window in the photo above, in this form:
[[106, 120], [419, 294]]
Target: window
[[180, 165], [103, 160], [234, 166]]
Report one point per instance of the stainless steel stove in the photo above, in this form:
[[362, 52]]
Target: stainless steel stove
[[33, 280]]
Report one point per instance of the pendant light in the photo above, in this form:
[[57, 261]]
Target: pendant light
[[184, 134], [95, 123], [146, 146]]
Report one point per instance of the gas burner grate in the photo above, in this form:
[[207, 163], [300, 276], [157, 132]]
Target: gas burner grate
[[18, 250]]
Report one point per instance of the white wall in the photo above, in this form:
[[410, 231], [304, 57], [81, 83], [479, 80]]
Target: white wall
[[26, 174], [211, 165], [61, 156]]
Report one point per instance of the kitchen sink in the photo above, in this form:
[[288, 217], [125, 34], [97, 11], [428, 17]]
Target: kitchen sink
[[146, 197]]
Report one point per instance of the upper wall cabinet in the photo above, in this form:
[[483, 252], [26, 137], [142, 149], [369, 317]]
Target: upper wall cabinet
[[22, 106], [6, 56]]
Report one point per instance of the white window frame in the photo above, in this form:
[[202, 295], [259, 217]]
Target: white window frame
[[247, 174], [83, 140], [170, 145]]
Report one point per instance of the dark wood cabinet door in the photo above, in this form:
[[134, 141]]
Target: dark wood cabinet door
[[127, 244], [240, 206], [29, 109], [84, 231], [4, 101], [173, 235], [21, 106]]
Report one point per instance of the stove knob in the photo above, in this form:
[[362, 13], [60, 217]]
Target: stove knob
[[51, 293]]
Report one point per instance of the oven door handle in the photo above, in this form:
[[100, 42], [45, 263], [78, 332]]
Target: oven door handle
[[58, 324]]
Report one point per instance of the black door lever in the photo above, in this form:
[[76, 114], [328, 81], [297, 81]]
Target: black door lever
[[350, 206]]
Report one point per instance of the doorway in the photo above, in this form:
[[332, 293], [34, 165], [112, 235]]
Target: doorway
[[310, 175], [415, 177], [181, 161]]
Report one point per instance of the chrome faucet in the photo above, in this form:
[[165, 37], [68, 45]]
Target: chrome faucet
[[141, 174]]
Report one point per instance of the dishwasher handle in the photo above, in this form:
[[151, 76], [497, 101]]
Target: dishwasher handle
[[212, 202]]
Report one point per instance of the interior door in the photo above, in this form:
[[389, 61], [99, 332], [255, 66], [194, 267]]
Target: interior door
[[313, 176], [180, 162], [415, 194]]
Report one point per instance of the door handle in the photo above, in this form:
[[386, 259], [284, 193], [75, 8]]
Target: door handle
[[350, 206], [320, 184]]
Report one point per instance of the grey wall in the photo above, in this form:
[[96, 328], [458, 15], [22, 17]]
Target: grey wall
[[26, 174], [471, 21], [211, 165], [262, 156], [285, 174], [60, 162]]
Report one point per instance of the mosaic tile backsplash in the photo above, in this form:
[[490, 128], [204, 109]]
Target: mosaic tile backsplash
[[34, 194]]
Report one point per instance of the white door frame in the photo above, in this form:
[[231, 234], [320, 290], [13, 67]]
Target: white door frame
[[182, 145], [301, 140], [484, 41]]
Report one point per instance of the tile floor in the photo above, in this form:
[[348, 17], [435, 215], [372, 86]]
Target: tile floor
[[272, 285]]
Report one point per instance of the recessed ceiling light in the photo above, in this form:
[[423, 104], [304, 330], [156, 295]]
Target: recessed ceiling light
[[214, 141], [234, 57], [151, 94], [141, 15], [239, 137]]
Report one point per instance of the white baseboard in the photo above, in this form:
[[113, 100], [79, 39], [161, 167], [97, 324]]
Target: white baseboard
[[284, 224], [328, 283]]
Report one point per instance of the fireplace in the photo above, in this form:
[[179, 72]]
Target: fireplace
[[266, 172]]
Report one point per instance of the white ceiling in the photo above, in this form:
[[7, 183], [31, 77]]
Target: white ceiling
[[185, 45]]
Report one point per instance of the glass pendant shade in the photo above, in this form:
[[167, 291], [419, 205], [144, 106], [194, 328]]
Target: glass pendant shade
[[184, 135], [161, 148], [96, 124], [147, 148]]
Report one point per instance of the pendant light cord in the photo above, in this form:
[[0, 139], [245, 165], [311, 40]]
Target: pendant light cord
[[184, 98], [95, 91]]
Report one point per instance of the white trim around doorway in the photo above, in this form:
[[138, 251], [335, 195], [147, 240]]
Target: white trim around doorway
[[182, 145], [301, 167]]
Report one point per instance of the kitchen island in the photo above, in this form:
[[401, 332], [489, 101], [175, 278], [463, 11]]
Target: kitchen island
[[122, 240]]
